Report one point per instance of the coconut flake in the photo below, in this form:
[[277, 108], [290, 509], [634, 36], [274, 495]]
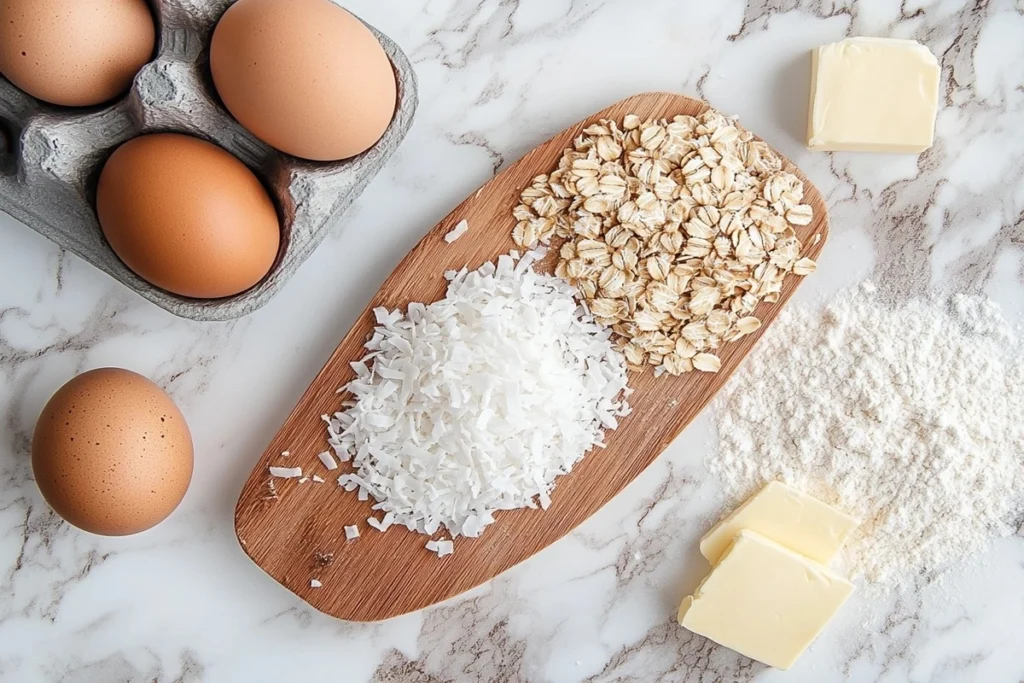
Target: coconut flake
[[313, 583], [285, 454], [351, 532], [317, 479], [286, 472], [382, 524], [326, 458], [477, 402], [442, 547], [458, 231]]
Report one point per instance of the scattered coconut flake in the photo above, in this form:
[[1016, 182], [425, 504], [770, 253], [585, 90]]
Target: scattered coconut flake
[[313, 583], [442, 548], [286, 472], [285, 454], [317, 479], [303, 480], [326, 458], [382, 524], [351, 532], [477, 402], [458, 231]]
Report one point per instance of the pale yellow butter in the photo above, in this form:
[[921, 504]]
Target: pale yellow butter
[[801, 523], [873, 95], [764, 601]]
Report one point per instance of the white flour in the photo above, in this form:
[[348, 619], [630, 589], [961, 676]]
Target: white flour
[[910, 417]]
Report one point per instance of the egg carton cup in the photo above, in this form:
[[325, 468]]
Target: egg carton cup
[[51, 157]]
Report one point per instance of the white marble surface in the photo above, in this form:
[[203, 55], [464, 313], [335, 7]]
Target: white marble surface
[[182, 603]]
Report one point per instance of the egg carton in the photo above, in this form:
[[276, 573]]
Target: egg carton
[[51, 157]]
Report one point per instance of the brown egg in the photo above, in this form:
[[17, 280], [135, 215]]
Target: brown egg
[[112, 453], [187, 216], [304, 76], [76, 53]]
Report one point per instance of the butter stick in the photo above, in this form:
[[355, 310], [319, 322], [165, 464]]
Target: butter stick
[[764, 601], [795, 520], [873, 95]]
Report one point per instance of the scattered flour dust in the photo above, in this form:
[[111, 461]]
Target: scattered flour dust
[[909, 416]]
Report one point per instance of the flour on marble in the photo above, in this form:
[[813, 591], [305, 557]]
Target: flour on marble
[[908, 416]]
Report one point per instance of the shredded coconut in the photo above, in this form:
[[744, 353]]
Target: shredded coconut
[[317, 479], [458, 231], [351, 532], [313, 583], [907, 416], [327, 459], [477, 402], [286, 472], [443, 548], [381, 524]]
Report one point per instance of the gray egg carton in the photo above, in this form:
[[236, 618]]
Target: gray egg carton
[[51, 157]]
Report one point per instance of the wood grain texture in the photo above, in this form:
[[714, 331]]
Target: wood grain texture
[[298, 536]]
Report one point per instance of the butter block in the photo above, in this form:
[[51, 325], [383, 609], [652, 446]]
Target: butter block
[[873, 95], [799, 522], [764, 601]]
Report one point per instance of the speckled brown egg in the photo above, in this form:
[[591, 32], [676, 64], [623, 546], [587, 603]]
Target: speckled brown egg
[[75, 53], [112, 453], [187, 216], [304, 76]]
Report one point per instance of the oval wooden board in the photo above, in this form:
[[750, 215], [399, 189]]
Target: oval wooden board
[[297, 535]]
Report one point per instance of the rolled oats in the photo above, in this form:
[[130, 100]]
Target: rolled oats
[[673, 232]]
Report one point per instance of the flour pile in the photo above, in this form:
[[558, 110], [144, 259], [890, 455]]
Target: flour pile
[[477, 402], [910, 417]]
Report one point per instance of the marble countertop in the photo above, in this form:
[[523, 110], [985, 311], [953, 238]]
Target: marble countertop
[[183, 603]]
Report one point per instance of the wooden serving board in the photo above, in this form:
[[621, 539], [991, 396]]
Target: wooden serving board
[[297, 535]]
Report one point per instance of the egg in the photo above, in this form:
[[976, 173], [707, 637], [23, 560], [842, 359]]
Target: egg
[[304, 76], [187, 216], [111, 453], [77, 53]]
